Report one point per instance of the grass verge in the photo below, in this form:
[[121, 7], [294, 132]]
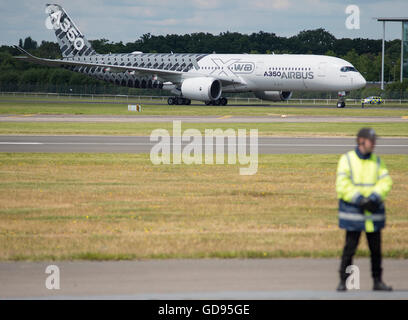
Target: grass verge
[[384, 129], [115, 207], [80, 108]]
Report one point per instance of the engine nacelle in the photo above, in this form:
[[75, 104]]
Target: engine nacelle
[[273, 95], [203, 89]]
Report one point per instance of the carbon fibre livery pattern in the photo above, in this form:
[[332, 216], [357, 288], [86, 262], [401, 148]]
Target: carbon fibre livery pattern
[[68, 35], [170, 62]]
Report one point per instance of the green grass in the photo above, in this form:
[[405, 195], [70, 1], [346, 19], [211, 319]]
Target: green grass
[[21, 108], [232, 100], [145, 128], [119, 207], [97, 256]]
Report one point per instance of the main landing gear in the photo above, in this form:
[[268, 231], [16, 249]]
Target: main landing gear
[[178, 101], [219, 102]]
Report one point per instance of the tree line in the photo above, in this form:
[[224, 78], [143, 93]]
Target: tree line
[[364, 54]]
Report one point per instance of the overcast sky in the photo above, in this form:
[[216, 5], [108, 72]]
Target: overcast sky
[[127, 20]]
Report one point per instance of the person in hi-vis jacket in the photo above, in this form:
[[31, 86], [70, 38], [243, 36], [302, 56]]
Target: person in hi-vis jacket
[[362, 185]]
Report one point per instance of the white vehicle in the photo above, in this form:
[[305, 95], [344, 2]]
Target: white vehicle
[[203, 77]]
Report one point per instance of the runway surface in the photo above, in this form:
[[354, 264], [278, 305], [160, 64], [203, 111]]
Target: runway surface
[[142, 144], [297, 278], [199, 119]]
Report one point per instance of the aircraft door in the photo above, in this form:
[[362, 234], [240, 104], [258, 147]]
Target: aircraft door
[[322, 69], [260, 69]]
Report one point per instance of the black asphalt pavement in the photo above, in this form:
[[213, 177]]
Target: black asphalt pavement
[[297, 278], [142, 144]]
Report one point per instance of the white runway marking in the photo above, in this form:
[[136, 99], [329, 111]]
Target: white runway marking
[[23, 143]]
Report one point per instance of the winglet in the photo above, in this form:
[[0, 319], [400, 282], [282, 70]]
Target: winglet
[[29, 57]]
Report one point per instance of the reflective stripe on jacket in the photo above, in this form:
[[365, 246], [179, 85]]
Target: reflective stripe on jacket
[[356, 177]]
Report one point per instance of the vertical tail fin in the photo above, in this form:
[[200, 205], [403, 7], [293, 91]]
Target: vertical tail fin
[[71, 41]]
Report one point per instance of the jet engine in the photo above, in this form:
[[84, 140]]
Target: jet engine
[[273, 95], [202, 88]]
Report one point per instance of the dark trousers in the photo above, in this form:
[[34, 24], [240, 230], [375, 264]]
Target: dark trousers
[[374, 243]]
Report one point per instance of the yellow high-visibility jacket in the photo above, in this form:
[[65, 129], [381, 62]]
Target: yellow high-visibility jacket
[[361, 176]]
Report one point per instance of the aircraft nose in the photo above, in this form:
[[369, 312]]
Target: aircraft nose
[[361, 82]]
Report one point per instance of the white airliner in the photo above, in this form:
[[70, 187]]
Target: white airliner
[[203, 77]]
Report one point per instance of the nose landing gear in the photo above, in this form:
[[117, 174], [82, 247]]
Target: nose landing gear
[[341, 104], [341, 100]]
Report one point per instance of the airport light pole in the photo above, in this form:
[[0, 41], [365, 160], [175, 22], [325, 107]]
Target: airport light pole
[[402, 52], [382, 57], [403, 21]]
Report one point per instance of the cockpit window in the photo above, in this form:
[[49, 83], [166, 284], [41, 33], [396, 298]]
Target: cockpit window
[[347, 69]]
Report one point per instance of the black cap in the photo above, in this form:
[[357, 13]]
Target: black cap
[[367, 133]]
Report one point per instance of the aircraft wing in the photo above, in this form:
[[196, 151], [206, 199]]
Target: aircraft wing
[[173, 76]]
